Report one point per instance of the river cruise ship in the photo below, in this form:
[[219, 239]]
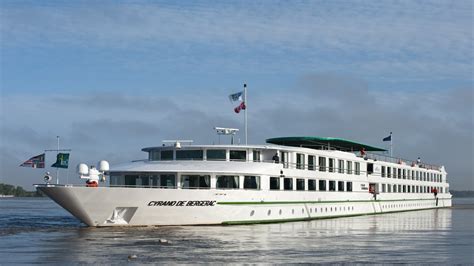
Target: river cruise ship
[[286, 179]]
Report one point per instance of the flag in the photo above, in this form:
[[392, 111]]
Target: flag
[[238, 96], [389, 138], [240, 107], [62, 160], [35, 162]]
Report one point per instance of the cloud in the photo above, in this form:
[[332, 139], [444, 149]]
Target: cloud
[[435, 125], [393, 40]]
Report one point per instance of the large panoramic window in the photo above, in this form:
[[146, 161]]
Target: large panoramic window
[[215, 155], [168, 181], [166, 155], [238, 155], [274, 183], [189, 155], [196, 181], [227, 181], [252, 182]]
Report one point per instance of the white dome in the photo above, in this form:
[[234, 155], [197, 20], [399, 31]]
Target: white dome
[[82, 169], [103, 166]]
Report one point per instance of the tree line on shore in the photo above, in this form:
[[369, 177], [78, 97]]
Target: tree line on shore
[[17, 191]]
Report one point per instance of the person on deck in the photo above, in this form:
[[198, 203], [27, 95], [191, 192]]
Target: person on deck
[[276, 158]]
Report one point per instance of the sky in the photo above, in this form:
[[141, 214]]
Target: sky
[[112, 77]]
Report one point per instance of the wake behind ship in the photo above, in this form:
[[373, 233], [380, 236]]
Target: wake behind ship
[[287, 179]]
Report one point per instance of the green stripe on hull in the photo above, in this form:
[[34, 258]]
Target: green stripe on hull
[[318, 218], [313, 202]]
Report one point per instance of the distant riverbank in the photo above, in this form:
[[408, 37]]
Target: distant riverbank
[[17, 191]]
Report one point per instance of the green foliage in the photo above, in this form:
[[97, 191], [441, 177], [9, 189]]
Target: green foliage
[[6, 189]]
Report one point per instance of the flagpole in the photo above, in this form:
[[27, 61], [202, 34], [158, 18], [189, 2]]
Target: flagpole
[[391, 145], [57, 169], [246, 107]]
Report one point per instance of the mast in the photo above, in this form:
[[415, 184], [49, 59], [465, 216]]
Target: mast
[[245, 118]]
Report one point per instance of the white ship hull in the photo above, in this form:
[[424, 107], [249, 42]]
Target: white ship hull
[[110, 206]]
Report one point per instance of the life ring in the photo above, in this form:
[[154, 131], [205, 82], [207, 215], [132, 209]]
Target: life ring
[[91, 183]]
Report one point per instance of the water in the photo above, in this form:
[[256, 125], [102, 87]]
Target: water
[[39, 231]]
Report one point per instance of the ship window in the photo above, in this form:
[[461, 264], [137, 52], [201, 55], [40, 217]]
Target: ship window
[[399, 175], [383, 171], [284, 159], [357, 168], [131, 180], [322, 164], [311, 162], [389, 171], [311, 184], [370, 168], [299, 161], [399, 189], [252, 182], [341, 166], [154, 181], [189, 155], [394, 188], [144, 180], [404, 189], [117, 180], [340, 185], [349, 186], [404, 174], [349, 167], [275, 183], [409, 189], [215, 155], [227, 181], [322, 185], [389, 188], [332, 185], [256, 156], [383, 188], [299, 184], [331, 165], [196, 181], [168, 180], [238, 155], [154, 155], [288, 183], [167, 155]]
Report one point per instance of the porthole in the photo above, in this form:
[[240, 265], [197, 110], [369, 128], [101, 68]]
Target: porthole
[[280, 212], [252, 213], [310, 210], [269, 212], [326, 209], [302, 210], [292, 211]]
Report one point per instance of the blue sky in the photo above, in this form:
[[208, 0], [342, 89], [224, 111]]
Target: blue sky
[[100, 73]]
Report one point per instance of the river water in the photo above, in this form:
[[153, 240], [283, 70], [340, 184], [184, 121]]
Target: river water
[[39, 231]]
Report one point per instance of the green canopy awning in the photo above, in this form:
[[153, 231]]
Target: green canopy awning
[[323, 143]]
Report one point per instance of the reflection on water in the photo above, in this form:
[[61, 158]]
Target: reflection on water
[[39, 231]]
